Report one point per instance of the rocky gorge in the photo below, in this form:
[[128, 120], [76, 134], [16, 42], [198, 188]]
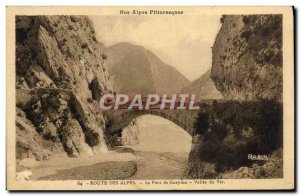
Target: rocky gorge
[[62, 72]]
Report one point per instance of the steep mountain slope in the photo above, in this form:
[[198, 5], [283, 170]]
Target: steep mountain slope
[[133, 69], [60, 73], [247, 57], [203, 88], [247, 66]]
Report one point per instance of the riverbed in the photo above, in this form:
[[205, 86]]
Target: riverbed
[[160, 166], [161, 154]]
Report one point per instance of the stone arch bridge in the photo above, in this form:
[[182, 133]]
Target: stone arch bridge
[[263, 115], [183, 118]]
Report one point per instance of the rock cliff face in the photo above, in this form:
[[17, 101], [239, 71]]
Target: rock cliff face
[[247, 70], [60, 74], [247, 57], [129, 136]]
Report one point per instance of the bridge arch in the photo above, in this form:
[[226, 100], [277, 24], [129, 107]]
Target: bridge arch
[[183, 118]]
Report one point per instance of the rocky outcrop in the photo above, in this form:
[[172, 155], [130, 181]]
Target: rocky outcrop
[[247, 57], [31, 144], [60, 75], [273, 168], [128, 136]]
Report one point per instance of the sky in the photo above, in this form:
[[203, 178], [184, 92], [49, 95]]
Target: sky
[[182, 41]]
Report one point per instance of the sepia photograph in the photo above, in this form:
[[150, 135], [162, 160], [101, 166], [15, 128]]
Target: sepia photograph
[[150, 98]]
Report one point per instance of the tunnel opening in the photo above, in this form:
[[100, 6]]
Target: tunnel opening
[[95, 89]]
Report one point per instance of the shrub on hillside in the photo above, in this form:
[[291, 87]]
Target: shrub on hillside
[[222, 127], [92, 138]]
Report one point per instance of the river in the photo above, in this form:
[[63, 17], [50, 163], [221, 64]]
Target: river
[[160, 165], [163, 149]]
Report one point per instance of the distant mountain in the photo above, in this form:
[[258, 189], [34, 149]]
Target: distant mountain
[[203, 87], [134, 69]]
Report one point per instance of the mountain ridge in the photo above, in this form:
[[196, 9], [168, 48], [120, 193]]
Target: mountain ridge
[[128, 63], [203, 87]]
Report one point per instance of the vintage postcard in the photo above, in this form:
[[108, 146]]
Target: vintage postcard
[[150, 98]]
